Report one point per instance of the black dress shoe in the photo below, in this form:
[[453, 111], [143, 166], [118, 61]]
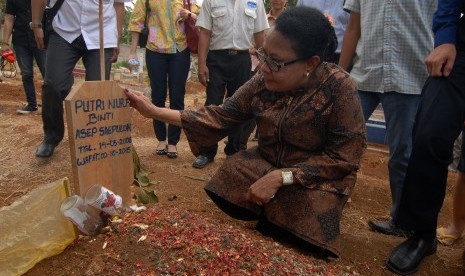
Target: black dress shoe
[[387, 227], [45, 149], [405, 259], [201, 161]]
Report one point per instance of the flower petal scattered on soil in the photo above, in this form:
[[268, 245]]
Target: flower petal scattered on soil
[[179, 242]]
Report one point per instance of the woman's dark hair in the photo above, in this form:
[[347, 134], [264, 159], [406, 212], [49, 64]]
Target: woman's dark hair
[[309, 32]]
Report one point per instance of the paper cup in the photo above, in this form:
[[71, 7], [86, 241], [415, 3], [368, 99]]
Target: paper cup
[[103, 199], [75, 210]]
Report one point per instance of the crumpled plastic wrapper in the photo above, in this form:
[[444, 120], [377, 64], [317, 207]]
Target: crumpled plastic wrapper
[[33, 228]]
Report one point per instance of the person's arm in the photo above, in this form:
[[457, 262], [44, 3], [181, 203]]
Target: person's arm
[[7, 30], [445, 24], [136, 23], [145, 107], [259, 38], [134, 43], [38, 7], [204, 43], [120, 13], [350, 41]]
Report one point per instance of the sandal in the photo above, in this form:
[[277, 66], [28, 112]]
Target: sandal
[[161, 151], [444, 238], [172, 154]]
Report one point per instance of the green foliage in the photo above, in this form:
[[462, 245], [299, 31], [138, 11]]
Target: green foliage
[[126, 37]]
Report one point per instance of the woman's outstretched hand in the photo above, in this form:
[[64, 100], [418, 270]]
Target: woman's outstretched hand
[[141, 103], [264, 189]]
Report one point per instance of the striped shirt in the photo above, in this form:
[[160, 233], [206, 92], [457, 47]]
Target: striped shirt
[[396, 37]]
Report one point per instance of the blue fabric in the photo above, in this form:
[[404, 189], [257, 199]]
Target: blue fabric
[[445, 22], [337, 12], [168, 71], [25, 56], [399, 111]]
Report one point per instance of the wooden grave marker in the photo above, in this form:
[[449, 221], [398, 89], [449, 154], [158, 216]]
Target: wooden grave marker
[[99, 130]]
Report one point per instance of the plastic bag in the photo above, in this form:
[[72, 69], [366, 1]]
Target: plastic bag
[[33, 228]]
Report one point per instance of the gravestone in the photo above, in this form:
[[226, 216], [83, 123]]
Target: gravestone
[[99, 130]]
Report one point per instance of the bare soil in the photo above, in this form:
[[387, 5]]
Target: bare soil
[[180, 189]]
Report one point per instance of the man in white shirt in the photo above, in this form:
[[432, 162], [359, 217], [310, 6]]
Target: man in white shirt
[[75, 35], [226, 32]]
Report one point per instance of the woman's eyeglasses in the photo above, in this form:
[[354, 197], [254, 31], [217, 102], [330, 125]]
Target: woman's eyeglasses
[[274, 65]]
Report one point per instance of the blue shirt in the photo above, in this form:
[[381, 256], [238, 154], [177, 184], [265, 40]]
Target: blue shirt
[[445, 21], [334, 8]]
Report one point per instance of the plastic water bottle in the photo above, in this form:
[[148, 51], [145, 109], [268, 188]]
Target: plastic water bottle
[[134, 66], [85, 217]]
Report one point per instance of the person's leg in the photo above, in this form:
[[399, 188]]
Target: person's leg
[[24, 56], [157, 69], [39, 56], [91, 61], [399, 113], [216, 64], [448, 235], [439, 120], [369, 102], [239, 73], [179, 65], [57, 84], [456, 154]]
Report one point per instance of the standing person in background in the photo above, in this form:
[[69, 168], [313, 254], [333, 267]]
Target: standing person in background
[[226, 33], [75, 35], [341, 17], [277, 7], [167, 60], [388, 68], [438, 123], [17, 18]]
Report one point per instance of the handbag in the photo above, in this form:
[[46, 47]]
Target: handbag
[[47, 19], [192, 33], [144, 33]]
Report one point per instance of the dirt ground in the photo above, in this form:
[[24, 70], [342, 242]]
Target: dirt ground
[[181, 186]]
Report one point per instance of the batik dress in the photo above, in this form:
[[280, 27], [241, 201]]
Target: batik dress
[[317, 131]]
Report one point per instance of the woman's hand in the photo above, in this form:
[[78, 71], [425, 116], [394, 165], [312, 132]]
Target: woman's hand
[[264, 189], [203, 74], [141, 103], [132, 55], [184, 13]]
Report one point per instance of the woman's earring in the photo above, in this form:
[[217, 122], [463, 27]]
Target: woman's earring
[[308, 74]]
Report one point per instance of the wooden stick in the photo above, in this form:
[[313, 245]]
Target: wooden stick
[[102, 52]]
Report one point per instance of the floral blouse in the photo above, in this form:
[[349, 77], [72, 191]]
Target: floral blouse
[[166, 27]]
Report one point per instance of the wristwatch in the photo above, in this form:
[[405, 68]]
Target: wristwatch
[[288, 177], [35, 25]]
